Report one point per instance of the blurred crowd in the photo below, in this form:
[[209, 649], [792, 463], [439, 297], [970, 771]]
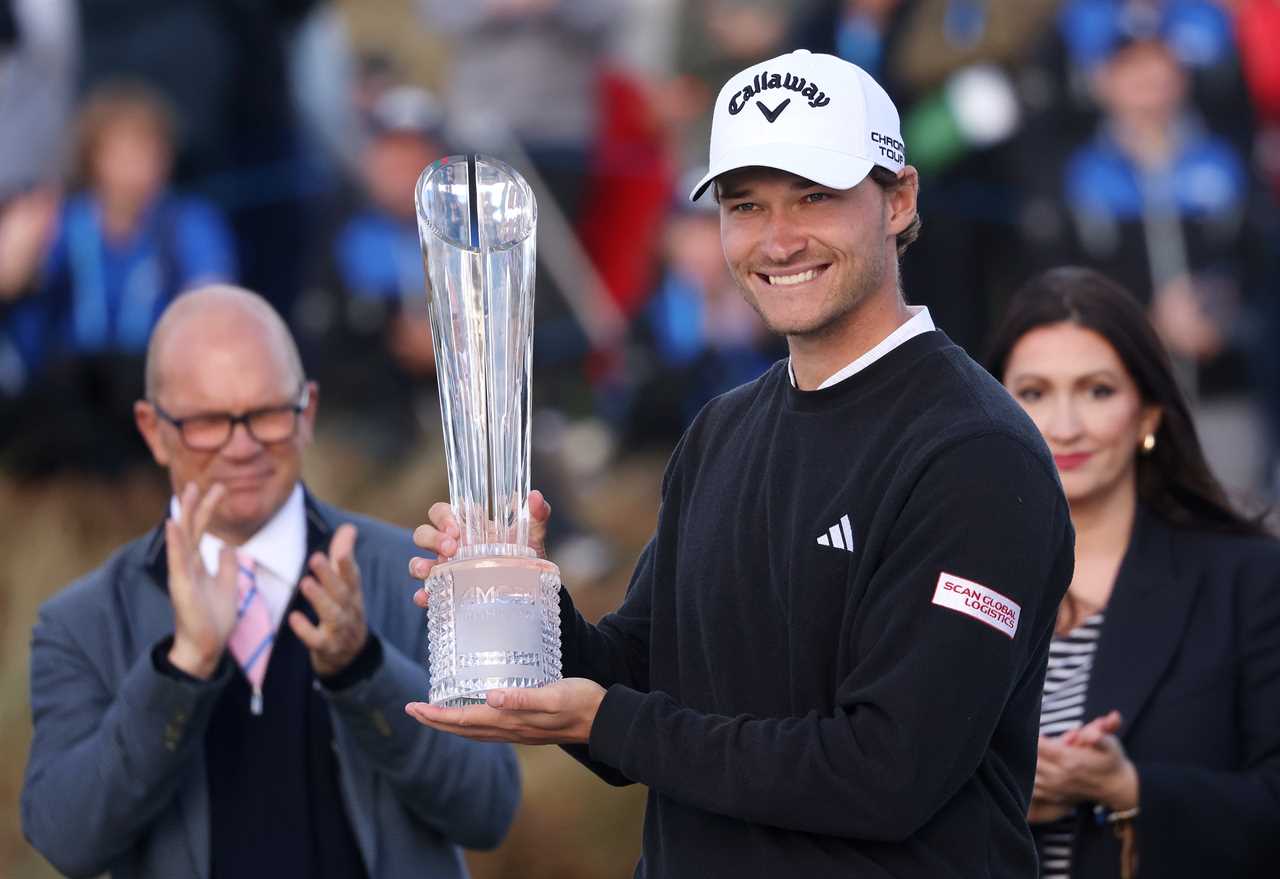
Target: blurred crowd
[[148, 145]]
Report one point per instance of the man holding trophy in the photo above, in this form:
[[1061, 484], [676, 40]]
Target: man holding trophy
[[830, 656]]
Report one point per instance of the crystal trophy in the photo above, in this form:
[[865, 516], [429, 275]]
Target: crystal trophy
[[494, 613]]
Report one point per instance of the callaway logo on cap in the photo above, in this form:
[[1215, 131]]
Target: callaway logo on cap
[[817, 116]]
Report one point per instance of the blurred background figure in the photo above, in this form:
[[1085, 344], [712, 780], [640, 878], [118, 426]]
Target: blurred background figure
[[38, 56], [1199, 33], [364, 328], [696, 337], [952, 66], [1170, 208], [525, 77], [713, 40], [90, 280], [528, 68], [322, 67], [1257, 28], [241, 134], [39, 51]]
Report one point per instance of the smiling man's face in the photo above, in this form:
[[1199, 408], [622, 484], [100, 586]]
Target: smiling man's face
[[805, 256], [223, 357]]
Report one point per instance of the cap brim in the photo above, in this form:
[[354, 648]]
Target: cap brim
[[826, 167]]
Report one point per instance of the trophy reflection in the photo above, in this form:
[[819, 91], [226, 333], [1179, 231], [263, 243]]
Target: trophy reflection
[[494, 612]]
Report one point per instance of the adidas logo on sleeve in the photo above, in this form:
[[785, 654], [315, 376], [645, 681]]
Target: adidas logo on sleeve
[[839, 535]]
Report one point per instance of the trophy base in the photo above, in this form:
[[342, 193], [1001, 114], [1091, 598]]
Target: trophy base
[[492, 623]]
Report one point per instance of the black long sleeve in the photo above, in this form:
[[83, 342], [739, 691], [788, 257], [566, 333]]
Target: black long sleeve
[[793, 672], [915, 715]]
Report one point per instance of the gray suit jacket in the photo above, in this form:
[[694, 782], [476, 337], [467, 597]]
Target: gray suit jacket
[[116, 777]]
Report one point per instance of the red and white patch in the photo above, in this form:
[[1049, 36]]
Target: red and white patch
[[975, 600]]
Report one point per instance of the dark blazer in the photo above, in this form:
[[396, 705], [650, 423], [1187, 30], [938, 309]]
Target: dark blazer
[[116, 778], [1190, 655]]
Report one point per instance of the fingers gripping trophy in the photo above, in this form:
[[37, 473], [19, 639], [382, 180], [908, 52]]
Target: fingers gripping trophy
[[494, 611]]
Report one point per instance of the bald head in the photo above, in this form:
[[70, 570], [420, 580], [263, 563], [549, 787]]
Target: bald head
[[221, 355], [217, 315]]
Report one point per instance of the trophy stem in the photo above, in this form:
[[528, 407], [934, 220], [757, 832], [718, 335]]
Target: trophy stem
[[494, 614]]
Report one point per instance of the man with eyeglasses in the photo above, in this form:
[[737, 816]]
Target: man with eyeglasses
[[223, 698]]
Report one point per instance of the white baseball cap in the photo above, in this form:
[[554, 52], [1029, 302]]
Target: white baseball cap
[[817, 116]]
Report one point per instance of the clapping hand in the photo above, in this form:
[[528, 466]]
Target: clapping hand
[[1088, 764], [334, 589], [204, 606], [27, 224]]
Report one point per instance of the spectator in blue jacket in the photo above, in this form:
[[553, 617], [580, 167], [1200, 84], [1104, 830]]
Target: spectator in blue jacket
[[1165, 203], [114, 254], [124, 245]]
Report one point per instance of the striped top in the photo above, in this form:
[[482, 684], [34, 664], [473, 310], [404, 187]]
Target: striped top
[[1065, 685]]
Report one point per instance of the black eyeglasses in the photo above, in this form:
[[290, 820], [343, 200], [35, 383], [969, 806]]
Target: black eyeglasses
[[208, 432]]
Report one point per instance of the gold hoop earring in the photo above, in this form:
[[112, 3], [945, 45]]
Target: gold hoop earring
[[1148, 444]]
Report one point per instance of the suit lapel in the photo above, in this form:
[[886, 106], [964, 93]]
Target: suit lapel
[[152, 616], [1145, 618], [357, 787], [150, 613]]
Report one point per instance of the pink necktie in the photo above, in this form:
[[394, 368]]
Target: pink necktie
[[251, 638]]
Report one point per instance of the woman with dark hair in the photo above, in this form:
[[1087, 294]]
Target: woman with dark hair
[[1160, 724]]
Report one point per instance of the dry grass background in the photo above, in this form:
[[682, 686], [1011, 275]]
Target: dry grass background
[[570, 824]]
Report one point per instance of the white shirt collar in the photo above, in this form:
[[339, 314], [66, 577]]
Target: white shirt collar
[[919, 322], [280, 545]]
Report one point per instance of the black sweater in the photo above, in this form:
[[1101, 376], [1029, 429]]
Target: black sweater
[[830, 658]]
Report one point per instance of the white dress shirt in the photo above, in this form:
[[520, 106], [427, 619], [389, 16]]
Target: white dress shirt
[[278, 549], [919, 322]]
